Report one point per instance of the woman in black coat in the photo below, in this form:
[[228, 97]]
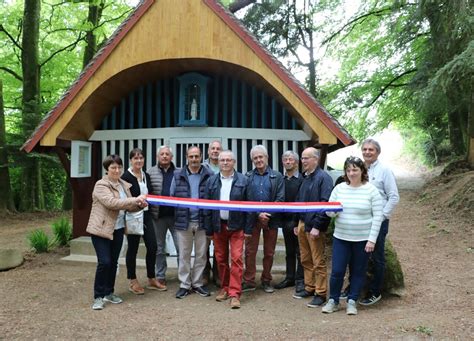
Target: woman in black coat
[[141, 185]]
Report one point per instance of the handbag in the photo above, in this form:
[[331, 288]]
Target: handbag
[[134, 222]]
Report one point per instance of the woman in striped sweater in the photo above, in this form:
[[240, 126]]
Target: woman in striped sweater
[[355, 233]]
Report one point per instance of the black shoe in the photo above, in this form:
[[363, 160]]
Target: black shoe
[[299, 285], [303, 294], [370, 299], [317, 301], [267, 287], [286, 283], [202, 291], [247, 287], [182, 293]]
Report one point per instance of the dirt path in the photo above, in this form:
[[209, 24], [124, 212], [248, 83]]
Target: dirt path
[[47, 298]]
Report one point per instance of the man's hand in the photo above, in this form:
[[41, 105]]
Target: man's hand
[[264, 217], [314, 233]]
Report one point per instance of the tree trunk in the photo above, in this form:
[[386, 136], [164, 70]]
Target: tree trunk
[[31, 195], [312, 65], [470, 132], [95, 13], [6, 199], [456, 136]]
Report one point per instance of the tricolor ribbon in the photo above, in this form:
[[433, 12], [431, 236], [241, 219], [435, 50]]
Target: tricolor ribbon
[[246, 206]]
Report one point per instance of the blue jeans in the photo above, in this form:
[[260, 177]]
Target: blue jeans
[[378, 258], [346, 253], [108, 252]]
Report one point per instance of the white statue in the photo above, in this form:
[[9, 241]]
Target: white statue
[[193, 110]]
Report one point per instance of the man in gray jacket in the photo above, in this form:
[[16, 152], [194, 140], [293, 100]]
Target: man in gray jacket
[[161, 176]]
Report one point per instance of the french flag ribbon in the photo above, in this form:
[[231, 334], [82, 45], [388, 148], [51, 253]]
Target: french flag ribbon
[[246, 206]]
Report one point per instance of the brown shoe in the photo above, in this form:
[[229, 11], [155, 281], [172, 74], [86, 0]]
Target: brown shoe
[[154, 284], [222, 295], [135, 287], [234, 303]]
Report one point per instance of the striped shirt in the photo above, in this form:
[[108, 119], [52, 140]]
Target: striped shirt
[[362, 212]]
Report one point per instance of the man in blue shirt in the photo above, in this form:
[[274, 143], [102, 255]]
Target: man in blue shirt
[[190, 182]]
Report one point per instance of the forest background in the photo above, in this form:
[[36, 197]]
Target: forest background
[[407, 65]]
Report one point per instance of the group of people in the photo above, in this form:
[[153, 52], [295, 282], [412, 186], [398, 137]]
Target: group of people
[[368, 194]]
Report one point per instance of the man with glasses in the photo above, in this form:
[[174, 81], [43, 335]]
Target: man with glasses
[[227, 229], [264, 184], [311, 229]]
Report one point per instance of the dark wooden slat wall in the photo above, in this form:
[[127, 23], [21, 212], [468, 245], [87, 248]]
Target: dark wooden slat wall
[[233, 103]]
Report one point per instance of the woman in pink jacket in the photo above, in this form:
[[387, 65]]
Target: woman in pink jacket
[[110, 199]]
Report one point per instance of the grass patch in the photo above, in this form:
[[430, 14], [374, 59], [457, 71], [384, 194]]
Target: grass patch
[[62, 231], [424, 330], [39, 241]]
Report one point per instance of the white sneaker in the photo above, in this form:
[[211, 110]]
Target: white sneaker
[[112, 298], [98, 304], [330, 307], [351, 308]]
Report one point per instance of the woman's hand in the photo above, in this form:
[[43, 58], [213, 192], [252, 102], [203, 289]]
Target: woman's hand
[[369, 247], [141, 201]]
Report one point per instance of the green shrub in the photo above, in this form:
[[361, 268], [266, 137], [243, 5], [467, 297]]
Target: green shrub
[[62, 232], [39, 241]]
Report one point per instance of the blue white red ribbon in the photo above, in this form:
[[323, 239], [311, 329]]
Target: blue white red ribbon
[[246, 206]]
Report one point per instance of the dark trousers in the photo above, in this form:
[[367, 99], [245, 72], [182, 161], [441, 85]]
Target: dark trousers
[[378, 259], [132, 250], [346, 253], [108, 252], [294, 269]]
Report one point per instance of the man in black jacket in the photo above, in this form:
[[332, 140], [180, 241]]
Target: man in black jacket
[[293, 180], [228, 229], [190, 182], [266, 185], [311, 229]]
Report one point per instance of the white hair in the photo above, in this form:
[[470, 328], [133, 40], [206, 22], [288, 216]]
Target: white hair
[[160, 148], [258, 148]]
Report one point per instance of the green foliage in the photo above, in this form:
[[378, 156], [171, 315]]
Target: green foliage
[[62, 231], [61, 44], [39, 241], [408, 64], [424, 330]]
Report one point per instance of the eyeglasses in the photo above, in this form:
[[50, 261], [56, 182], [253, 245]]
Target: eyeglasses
[[354, 159], [226, 160], [304, 158]]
